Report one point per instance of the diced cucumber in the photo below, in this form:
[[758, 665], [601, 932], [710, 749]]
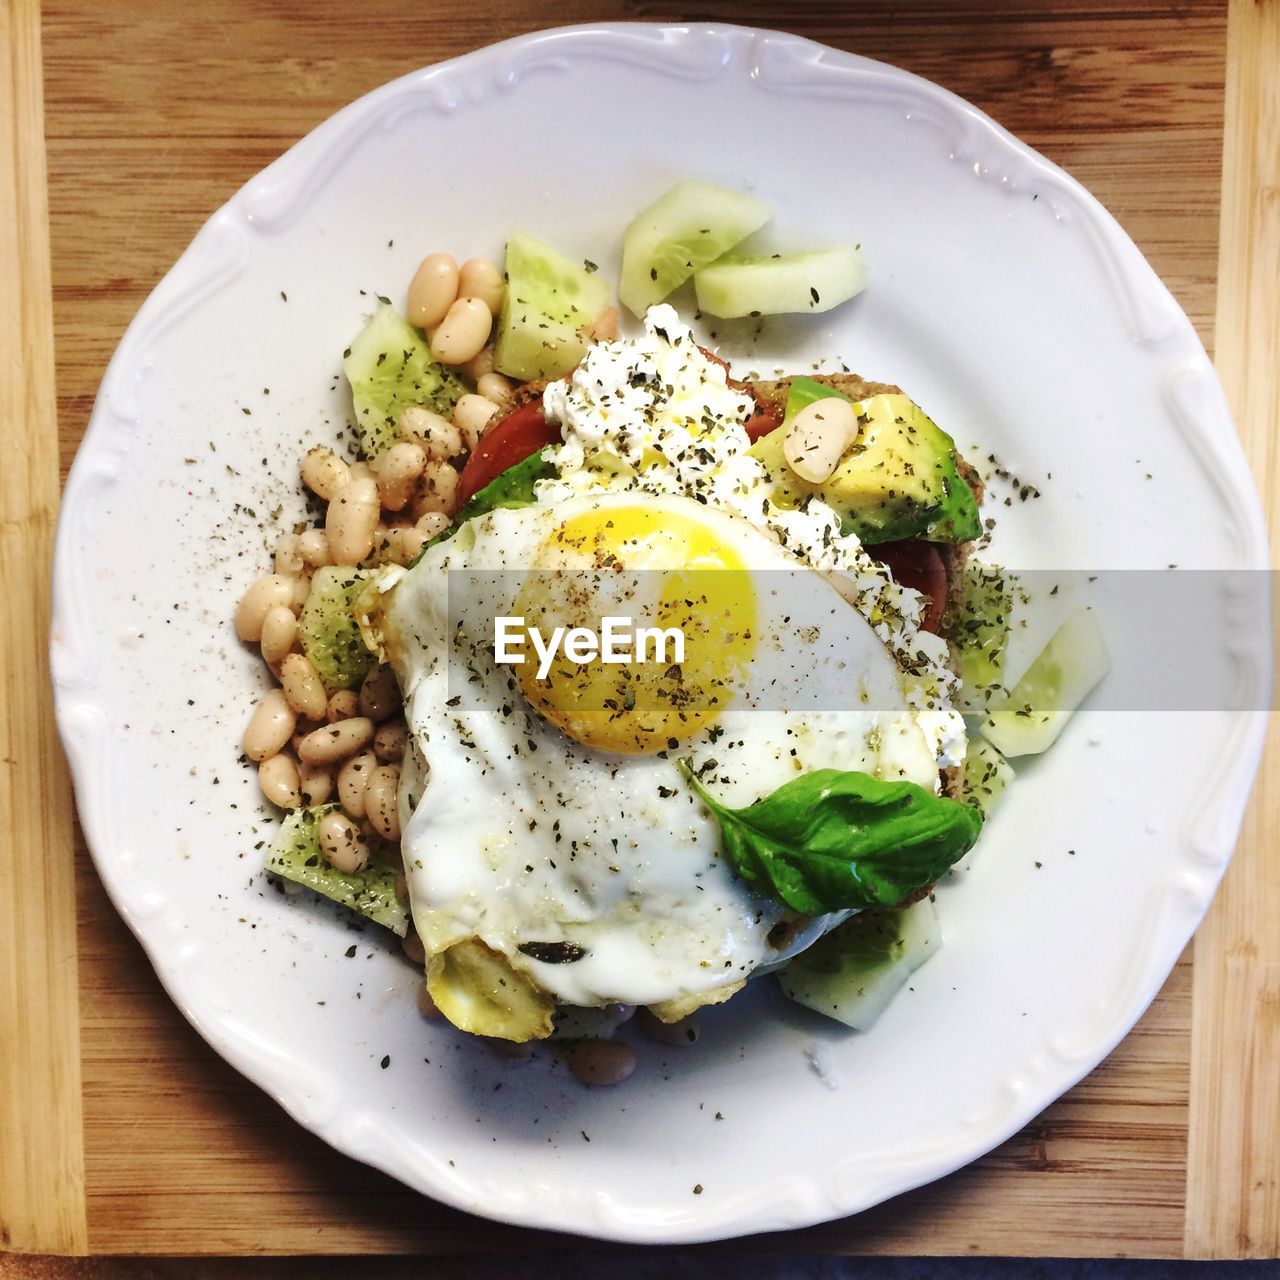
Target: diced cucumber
[[295, 855], [389, 367], [986, 774], [548, 302], [1030, 718], [784, 284], [328, 629], [680, 233], [853, 972], [980, 632]]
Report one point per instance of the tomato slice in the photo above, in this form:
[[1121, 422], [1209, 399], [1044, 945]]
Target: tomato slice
[[918, 565], [520, 433], [766, 418]]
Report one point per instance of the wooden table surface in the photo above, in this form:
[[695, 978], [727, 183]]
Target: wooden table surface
[[120, 1131]]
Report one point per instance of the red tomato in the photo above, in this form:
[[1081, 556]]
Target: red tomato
[[766, 418], [520, 433], [918, 565]]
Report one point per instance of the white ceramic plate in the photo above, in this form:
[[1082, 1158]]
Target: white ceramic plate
[[1001, 295]]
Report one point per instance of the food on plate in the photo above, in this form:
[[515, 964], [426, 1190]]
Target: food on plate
[[691, 231], [609, 681]]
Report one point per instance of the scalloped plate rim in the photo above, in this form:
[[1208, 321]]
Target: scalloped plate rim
[[602, 1217]]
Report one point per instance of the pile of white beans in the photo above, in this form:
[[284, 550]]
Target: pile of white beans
[[312, 747]]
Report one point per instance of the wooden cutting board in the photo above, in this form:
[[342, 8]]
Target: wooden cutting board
[[120, 1131]]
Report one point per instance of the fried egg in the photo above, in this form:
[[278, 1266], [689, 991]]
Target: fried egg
[[544, 819]]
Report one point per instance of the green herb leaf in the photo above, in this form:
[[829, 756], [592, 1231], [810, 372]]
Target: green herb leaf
[[831, 840], [512, 488]]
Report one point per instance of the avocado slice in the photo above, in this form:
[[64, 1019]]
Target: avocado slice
[[900, 479]]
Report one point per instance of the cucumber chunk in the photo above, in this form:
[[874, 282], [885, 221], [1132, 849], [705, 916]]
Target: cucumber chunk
[[295, 855], [853, 972], [389, 367], [980, 632], [329, 631], [986, 774], [680, 233], [548, 302], [784, 284], [1038, 707]]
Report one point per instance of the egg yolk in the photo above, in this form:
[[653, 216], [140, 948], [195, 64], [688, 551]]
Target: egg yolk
[[661, 570]]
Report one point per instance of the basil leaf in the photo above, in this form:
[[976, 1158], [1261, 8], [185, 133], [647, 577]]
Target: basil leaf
[[832, 840], [512, 488]]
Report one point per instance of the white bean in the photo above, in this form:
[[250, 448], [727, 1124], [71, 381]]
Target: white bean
[[432, 290], [380, 801], [278, 778], [265, 594], [818, 437], [314, 547], [683, 1033], [301, 729], [323, 472], [390, 741], [353, 779], [397, 470], [342, 705], [316, 782], [463, 331], [480, 278], [379, 694], [279, 629], [288, 557], [432, 523], [341, 843], [479, 364], [601, 1062], [493, 386], [471, 415], [302, 687], [411, 945], [334, 742], [351, 520], [403, 544], [438, 492], [436, 434], [270, 726]]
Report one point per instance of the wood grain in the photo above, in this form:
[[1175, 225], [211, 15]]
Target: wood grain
[[41, 1152], [155, 116], [1233, 1185]]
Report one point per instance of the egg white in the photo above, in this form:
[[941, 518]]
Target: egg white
[[514, 833]]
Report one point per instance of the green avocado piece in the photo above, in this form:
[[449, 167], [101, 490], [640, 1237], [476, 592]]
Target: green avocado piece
[[900, 479]]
